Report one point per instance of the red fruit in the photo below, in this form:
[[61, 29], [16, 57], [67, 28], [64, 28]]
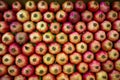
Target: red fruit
[[21, 37], [36, 16], [101, 56], [93, 6], [3, 69], [41, 70], [76, 76], [61, 16], [114, 75], [3, 49], [93, 26], [55, 27], [113, 54], [13, 70], [99, 16], [30, 6], [42, 27], [54, 6], [1, 16], [94, 66], [68, 68], [75, 58], [48, 37], [28, 70], [113, 35], [81, 47], [88, 57], [16, 6], [35, 59], [67, 6], [41, 48], [118, 15], [89, 76], [86, 16], [106, 26], [6, 77], [80, 6], [67, 27], [100, 35], [117, 65], [20, 77], [4, 27], [108, 66], [80, 27], [107, 45], [33, 77], [87, 37], [82, 67], [16, 27], [3, 6], [61, 58], [101, 75], [105, 6], [48, 77], [94, 46], [74, 17], [116, 25], [117, 45], [55, 69], [62, 76], [21, 60], [112, 15], [42, 6], [116, 5]]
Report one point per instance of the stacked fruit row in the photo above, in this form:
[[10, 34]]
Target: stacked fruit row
[[75, 41]]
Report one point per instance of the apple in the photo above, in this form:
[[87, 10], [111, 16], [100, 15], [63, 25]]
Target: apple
[[67, 6], [93, 26], [80, 27], [54, 6], [87, 37], [86, 16], [118, 15], [55, 69], [105, 6], [36, 16], [61, 58], [48, 77], [48, 37], [21, 37], [3, 69], [82, 67], [107, 45], [99, 16], [89, 76], [112, 15], [61, 16], [16, 6], [76, 76], [114, 75], [35, 37], [6, 77], [93, 6], [42, 6], [62, 76], [68, 68], [101, 56], [67, 27], [13, 70], [75, 58], [116, 25], [28, 26], [30, 6], [3, 6], [108, 66], [106, 26], [16, 27], [94, 46], [35, 59], [1, 16], [20, 77], [81, 47], [41, 70], [100, 35], [61, 38], [80, 6], [21, 60], [4, 27], [41, 48], [42, 27], [95, 66], [3, 49], [113, 54], [117, 65], [101, 75], [55, 27], [33, 77], [8, 38], [116, 45], [54, 48], [116, 5], [88, 57], [48, 59], [23, 15], [28, 49]]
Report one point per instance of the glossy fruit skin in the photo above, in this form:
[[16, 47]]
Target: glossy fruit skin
[[104, 6], [93, 6], [67, 27], [101, 75], [13, 70], [81, 47], [101, 56], [89, 76], [88, 57], [113, 54], [16, 6], [112, 15], [100, 35], [36, 16], [114, 75], [107, 45], [80, 6], [87, 37], [67, 6], [106, 26], [54, 6], [80, 27], [4, 27], [82, 67]]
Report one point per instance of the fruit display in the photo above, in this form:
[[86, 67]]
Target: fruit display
[[53, 41]]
